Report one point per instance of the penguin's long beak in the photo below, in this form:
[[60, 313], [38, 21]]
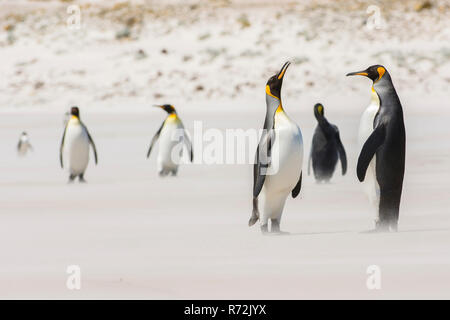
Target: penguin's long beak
[[358, 73], [283, 70], [157, 106]]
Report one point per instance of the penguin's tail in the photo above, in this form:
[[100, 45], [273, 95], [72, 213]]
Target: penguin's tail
[[255, 213]]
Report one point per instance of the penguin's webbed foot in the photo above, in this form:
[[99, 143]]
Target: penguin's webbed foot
[[275, 228], [163, 173], [71, 178], [265, 229]]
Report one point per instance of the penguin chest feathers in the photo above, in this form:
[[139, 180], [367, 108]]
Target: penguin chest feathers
[[169, 132], [172, 134], [367, 119], [76, 134], [286, 154], [24, 144], [76, 144]]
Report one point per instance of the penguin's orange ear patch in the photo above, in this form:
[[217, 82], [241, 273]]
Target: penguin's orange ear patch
[[268, 92], [381, 72]]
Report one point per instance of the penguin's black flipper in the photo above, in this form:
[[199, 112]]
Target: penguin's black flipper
[[262, 162], [298, 187], [155, 137], [61, 148], [92, 143], [255, 213], [341, 151], [371, 146]]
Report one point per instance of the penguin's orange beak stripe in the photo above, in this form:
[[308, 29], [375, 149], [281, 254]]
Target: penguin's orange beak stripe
[[283, 70], [357, 73], [281, 74]]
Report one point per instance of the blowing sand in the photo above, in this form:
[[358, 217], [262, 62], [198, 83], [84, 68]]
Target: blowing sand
[[135, 235]]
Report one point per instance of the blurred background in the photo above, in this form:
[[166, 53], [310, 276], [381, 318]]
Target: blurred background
[[133, 53]]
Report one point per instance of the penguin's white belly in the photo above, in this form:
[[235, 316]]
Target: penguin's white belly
[[370, 183], [285, 168], [24, 148], [77, 147], [169, 145]]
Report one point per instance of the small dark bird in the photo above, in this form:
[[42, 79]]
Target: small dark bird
[[326, 147]]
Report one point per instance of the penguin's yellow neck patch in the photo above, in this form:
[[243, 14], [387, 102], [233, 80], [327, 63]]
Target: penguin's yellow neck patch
[[172, 117], [270, 93], [74, 120], [374, 96], [280, 109]]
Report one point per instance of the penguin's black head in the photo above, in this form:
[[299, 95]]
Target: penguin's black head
[[167, 107], [24, 133], [273, 86], [319, 111], [375, 72], [75, 111]]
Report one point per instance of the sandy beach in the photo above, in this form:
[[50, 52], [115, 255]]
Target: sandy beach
[[135, 235], [138, 236]]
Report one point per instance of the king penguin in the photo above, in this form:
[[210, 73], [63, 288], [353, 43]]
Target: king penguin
[[382, 159], [277, 171], [326, 148], [170, 134], [75, 143], [24, 145]]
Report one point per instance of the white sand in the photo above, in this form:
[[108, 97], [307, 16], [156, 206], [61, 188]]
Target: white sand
[[135, 235]]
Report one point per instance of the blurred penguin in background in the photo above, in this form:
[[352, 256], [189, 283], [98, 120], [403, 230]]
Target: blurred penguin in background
[[24, 145], [170, 134], [326, 148], [66, 118], [75, 143]]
